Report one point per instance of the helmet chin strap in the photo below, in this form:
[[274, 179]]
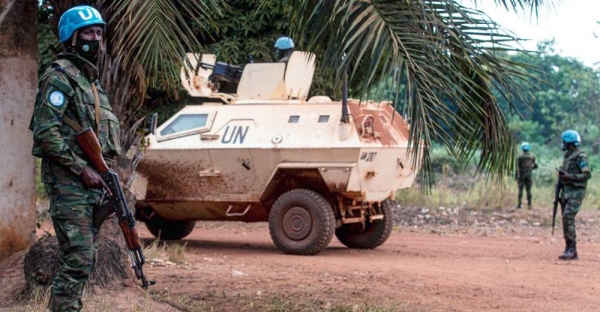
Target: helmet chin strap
[[74, 38]]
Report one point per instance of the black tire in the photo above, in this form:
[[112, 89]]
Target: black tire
[[374, 234], [301, 222], [169, 229]]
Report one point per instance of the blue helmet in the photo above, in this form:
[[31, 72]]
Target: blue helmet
[[284, 43], [75, 18], [570, 136], [525, 147]]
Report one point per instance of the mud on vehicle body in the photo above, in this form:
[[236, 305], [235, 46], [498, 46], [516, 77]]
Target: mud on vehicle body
[[312, 168]]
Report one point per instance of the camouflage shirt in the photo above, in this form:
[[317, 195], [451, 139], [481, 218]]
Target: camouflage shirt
[[576, 165], [65, 89], [525, 164]]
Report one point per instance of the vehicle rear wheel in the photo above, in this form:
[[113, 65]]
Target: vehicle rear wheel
[[301, 222], [374, 234], [165, 229]]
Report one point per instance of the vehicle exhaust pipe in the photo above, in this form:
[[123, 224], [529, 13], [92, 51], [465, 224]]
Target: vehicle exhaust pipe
[[345, 115], [345, 127]]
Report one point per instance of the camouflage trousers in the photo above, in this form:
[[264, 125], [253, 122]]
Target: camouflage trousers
[[525, 183], [71, 209], [572, 199]]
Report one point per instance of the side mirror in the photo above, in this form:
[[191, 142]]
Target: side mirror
[[152, 123]]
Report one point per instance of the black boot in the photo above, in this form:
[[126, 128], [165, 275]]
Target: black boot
[[570, 251]]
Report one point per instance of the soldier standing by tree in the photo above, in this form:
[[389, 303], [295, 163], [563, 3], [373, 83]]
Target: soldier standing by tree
[[574, 174], [71, 96], [525, 165]]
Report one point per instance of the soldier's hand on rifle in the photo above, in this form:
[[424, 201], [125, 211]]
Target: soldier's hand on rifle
[[563, 175], [91, 178]]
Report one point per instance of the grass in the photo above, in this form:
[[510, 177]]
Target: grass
[[276, 302], [169, 251], [213, 302], [481, 195], [39, 298], [462, 188]]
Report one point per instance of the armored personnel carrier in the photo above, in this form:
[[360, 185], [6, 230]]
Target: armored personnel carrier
[[311, 167]]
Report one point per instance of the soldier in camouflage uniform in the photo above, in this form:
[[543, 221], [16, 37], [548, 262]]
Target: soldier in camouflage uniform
[[574, 174], [525, 165], [70, 94]]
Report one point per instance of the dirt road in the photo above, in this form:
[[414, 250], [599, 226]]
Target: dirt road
[[433, 261], [229, 266]]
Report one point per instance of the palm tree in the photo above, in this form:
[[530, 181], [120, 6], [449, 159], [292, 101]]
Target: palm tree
[[439, 54], [441, 58]]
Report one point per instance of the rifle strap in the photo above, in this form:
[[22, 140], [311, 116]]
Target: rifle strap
[[574, 155], [73, 124], [96, 108]]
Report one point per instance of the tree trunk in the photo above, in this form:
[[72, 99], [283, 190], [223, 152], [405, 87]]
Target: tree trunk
[[18, 80]]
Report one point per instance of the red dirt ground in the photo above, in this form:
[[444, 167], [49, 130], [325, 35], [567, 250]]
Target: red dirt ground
[[415, 271], [236, 267]]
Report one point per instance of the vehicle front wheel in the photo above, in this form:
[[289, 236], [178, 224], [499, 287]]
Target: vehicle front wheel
[[165, 229], [374, 234], [301, 222]]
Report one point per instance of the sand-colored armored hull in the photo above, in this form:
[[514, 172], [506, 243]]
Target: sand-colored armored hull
[[240, 156]]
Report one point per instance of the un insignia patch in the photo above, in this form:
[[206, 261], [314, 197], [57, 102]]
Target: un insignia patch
[[56, 98]]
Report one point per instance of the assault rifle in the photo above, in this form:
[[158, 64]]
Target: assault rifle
[[116, 204], [557, 200]]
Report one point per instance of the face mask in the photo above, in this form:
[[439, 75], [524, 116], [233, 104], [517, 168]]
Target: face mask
[[88, 49]]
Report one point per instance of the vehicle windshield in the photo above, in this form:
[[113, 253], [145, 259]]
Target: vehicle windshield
[[185, 123]]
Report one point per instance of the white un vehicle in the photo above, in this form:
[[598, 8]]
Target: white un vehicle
[[311, 167]]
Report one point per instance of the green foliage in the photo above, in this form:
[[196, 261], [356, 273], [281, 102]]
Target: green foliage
[[548, 158], [525, 130], [247, 28], [48, 44], [438, 59], [442, 162], [441, 57], [567, 99]]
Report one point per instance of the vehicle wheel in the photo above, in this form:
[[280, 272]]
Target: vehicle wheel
[[374, 234], [169, 229], [301, 222]]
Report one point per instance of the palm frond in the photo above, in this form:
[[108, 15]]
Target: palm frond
[[156, 34], [533, 6], [441, 56]]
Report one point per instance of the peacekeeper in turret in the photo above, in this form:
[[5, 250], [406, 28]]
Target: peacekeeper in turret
[[285, 48]]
